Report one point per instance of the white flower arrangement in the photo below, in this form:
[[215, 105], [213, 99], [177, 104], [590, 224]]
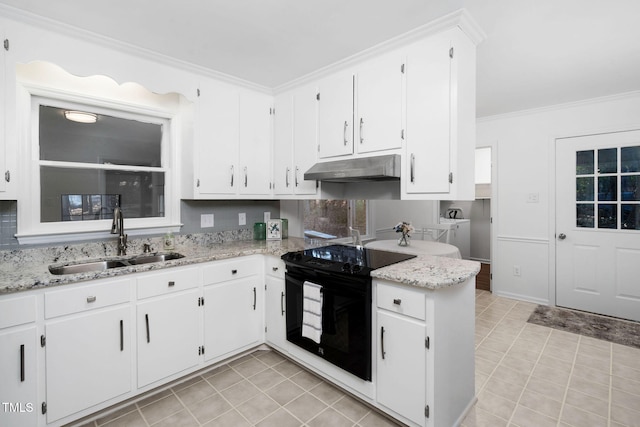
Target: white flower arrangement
[[405, 228]]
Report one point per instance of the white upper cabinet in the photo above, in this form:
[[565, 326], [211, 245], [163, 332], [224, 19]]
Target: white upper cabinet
[[8, 173], [232, 144], [255, 143], [335, 115], [379, 104], [440, 132], [295, 144], [216, 145]]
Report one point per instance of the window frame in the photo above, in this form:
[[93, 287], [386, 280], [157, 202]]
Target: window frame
[[29, 97], [350, 220]]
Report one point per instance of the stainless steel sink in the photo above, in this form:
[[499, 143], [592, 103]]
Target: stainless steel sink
[[86, 267], [146, 259], [90, 266]]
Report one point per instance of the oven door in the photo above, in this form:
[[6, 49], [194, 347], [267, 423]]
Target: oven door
[[346, 318]]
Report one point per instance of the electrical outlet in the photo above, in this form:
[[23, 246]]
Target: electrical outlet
[[533, 197], [206, 220], [516, 270], [242, 218], [267, 216]]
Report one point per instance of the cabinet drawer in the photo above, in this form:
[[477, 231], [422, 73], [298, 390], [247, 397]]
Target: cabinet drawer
[[167, 281], [17, 311], [275, 267], [401, 300], [222, 271], [86, 297]]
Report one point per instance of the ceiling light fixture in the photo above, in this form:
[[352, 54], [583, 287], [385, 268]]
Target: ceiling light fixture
[[81, 116]]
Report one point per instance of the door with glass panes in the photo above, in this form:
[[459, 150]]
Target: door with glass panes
[[598, 223]]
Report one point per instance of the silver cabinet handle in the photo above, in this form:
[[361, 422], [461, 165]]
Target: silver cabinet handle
[[286, 177], [383, 353], [361, 127], [245, 176], [344, 132], [282, 303], [122, 335], [171, 283], [397, 301], [91, 299], [254, 298], [297, 169], [412, 168], [232, 174]]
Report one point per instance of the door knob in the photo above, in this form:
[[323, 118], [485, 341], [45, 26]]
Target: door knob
[[562, 236]]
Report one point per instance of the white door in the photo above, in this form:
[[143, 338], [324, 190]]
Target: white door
[[598, 223]]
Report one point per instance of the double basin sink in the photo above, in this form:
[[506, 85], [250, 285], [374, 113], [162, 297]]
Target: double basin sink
[[91, 266]]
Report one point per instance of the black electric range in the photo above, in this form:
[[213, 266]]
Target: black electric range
[[343, 259]]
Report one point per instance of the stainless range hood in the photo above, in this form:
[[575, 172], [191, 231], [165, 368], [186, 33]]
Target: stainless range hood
[[378, 168]]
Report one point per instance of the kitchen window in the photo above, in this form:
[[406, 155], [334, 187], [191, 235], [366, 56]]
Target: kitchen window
[[118, 154]]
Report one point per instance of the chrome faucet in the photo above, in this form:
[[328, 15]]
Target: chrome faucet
[[117, 227]]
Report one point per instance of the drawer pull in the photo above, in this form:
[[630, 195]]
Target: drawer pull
[[254, 298], [397, 301], [172, 283], [121, 335], [91, 299], [234, 271], [21, 362], [274, 268]]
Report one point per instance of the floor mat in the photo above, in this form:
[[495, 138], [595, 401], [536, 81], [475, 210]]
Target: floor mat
[[591, 325]]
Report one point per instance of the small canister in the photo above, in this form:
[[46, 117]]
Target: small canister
[[259, 231], [285, 228]]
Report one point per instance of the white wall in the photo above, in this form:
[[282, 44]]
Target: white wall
[[387, 213], [523, 232]]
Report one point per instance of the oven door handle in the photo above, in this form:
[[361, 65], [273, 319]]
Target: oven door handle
[[382, 342]]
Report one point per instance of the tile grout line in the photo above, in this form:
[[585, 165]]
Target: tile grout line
[[566, 390]]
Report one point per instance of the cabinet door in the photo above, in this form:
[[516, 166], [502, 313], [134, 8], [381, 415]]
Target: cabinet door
[[233, 316], [255, 143], [283, 145], [275, 312], [379, 94], [401, 357], [19, 383], [217, 139], [427, 159], [335, 115], [88, 360], [168, 336], [305, 134]]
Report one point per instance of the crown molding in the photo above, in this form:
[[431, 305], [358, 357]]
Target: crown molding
[[127, 48], [460, 18]]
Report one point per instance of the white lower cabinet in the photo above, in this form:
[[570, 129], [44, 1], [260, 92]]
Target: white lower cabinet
[[401, 351], [88, 360], [275, 315], [19, 373], [168, 324], [233, 306], [168, 336]]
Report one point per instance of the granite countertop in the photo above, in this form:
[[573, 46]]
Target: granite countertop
[[22, 270]]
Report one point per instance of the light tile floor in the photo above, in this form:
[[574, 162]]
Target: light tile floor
[[526, 376]]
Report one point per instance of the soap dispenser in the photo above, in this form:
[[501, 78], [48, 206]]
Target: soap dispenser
[[169, 241]]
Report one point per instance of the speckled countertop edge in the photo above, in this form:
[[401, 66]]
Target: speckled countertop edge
[[24, 270], [431, 272]]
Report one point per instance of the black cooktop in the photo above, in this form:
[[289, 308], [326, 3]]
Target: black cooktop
[[346, 259]]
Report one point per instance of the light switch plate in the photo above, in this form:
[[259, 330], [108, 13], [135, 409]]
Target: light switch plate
[[242, 218], [206, 220], [267, 216]]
